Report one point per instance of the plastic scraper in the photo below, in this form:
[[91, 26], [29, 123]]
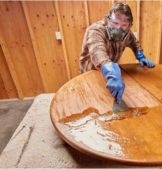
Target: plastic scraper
[[119, 107]]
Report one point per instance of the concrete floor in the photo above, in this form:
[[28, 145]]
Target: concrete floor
[[11, 114]]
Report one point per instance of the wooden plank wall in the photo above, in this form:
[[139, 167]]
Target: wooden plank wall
[[33, 61]]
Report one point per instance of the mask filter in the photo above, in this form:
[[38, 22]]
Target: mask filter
[[116, 34]]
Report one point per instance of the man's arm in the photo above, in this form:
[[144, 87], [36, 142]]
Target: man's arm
[[110, 70]]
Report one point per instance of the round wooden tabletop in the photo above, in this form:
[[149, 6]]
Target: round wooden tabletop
[[82, 113]]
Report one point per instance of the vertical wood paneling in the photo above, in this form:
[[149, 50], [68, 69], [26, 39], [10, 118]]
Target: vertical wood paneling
[[43, 25], [128, 55], [86, 13], [32, 61], [138, 19], [12, 70], [72, 15], [3, 92], [7, 87], [150, 27], [133, 6], [160, 37], [63, 39], [98, 9], [18, 50]]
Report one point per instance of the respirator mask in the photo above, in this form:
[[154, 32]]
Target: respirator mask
[[118, 26], [117, 34]]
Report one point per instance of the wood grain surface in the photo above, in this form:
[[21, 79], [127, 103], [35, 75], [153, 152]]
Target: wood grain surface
[[150, 79], [81, 112]]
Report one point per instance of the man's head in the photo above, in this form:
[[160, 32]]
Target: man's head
[[120, 20]]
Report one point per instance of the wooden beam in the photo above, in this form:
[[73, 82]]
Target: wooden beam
[[56, 6], [12, 70], [86, 13], [160, 36], [36, 52], [7, 81], [138, 20]]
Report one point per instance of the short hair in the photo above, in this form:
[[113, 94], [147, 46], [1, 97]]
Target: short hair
[[123, 8]]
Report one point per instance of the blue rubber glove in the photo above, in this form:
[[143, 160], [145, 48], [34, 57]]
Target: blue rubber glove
[[115, 84], [143, 60]]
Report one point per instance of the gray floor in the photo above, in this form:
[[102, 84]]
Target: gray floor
[[11, 114]]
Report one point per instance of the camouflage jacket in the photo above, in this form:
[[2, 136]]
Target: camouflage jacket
[[98, 47]]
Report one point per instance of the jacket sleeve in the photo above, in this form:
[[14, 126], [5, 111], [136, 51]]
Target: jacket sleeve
[[96, 42], [134, 43]]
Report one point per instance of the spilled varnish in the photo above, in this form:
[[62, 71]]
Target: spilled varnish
[[96, 132]]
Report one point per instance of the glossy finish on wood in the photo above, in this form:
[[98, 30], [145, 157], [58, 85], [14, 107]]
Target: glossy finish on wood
[[81, 112], [150, 79]]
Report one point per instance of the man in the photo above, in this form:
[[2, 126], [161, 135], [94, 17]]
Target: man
[[104, 43]]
